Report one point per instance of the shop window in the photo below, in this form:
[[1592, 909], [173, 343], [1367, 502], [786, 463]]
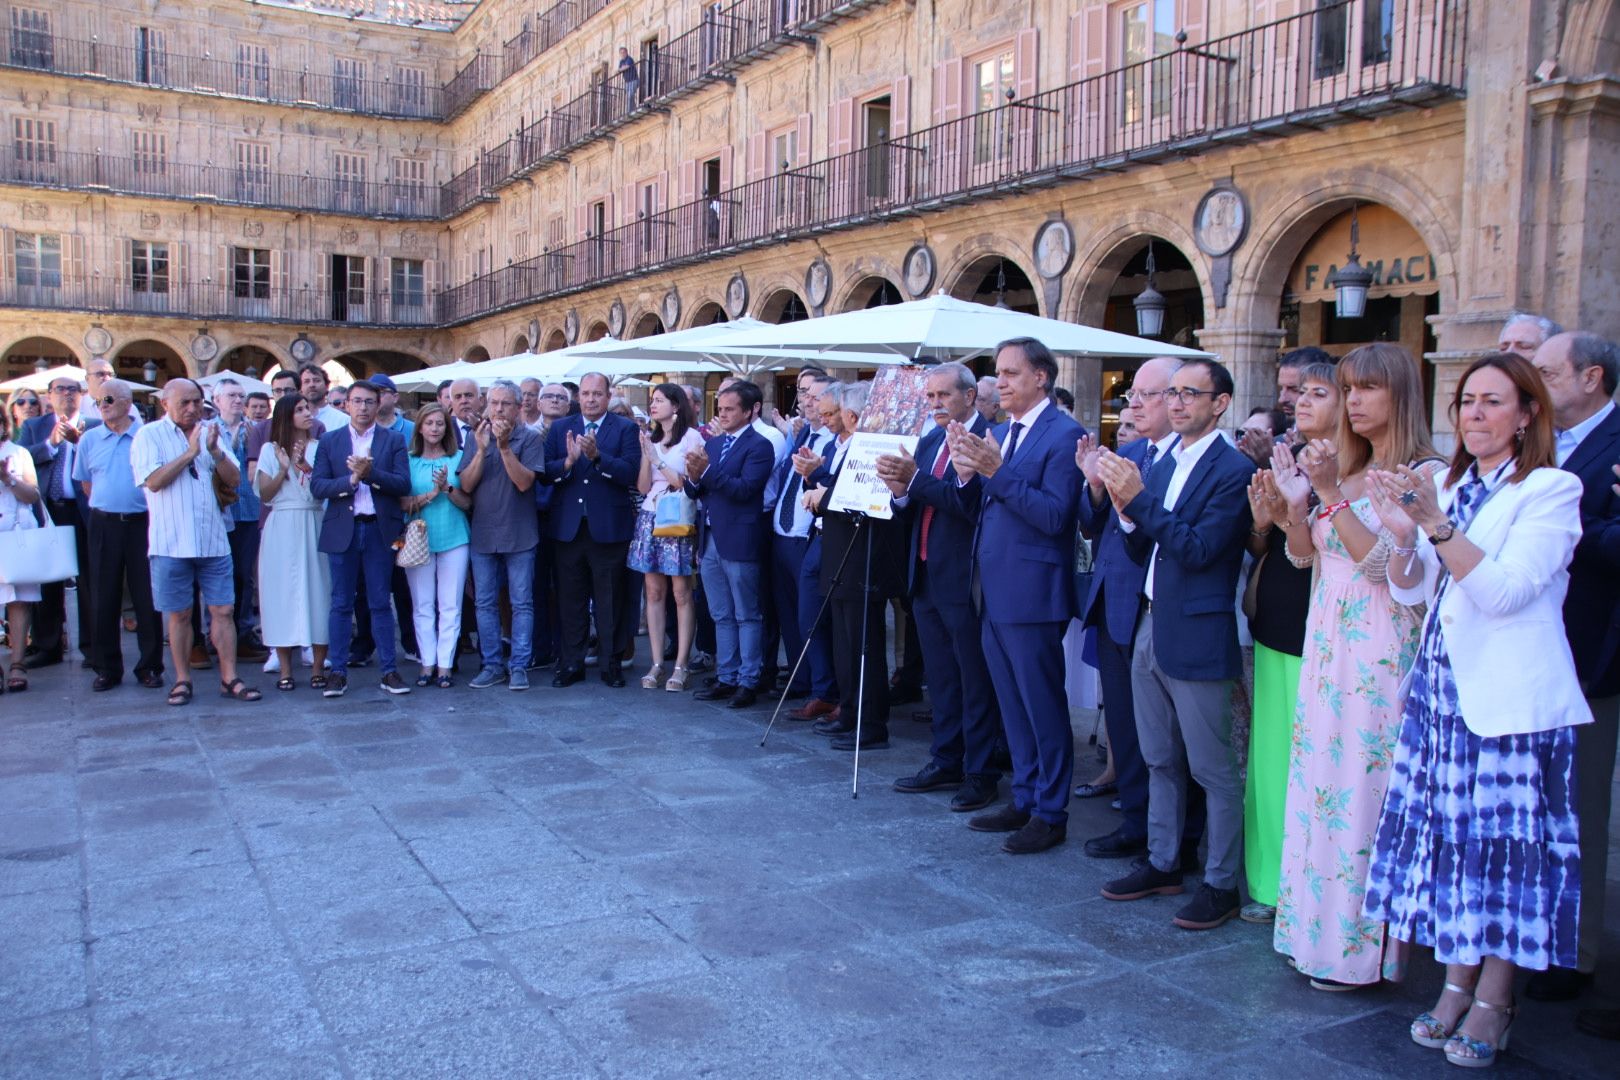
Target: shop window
[[1380, 322]]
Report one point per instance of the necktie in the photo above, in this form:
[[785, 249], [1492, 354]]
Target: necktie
[[1012, 442], [590, 428], [940, 461], [785, 507], [725, 448], [1147, 462], [64, 464]]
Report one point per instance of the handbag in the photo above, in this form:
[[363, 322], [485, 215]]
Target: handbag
[[225, 493], [38, 556], [413, 545], [675, 515]]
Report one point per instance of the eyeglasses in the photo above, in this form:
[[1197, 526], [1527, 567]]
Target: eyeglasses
[[66, 390], [191, 467], [107, 402], [553, 397], [1186, 395], [1134, 394], [30, 401]]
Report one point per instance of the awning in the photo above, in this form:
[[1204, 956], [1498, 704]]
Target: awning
[[1399, 260]]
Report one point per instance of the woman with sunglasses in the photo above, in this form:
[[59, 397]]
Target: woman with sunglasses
[[19, 492], [25, 406]]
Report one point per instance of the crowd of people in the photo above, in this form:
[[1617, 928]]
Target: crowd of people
[[1433, 636]]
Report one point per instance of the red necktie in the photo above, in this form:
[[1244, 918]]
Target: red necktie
[[940, 461]]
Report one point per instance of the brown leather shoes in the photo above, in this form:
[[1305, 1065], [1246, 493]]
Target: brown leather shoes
[[814, 709]]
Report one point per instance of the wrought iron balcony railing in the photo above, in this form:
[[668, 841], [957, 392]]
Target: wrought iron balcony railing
[[211, 301]]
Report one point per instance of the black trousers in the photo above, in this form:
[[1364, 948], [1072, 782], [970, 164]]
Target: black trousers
[[118, 561], [50, 613], [244, 538], [847, 617], [589, 575]]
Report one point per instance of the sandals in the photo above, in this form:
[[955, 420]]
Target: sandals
[[18, 682], [180, 693], [1427, 1030], [239, 690], [677, 680], [1472, 1053], [444, 682], [424, 679], [286, 685], [317, 682], [651, 680]]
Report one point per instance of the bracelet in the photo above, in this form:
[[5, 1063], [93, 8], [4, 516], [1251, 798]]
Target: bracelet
[[1259, 533], [1404, 552], [1328, 511]]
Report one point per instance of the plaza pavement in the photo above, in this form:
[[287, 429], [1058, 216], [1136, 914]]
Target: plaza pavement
[[597, 883]]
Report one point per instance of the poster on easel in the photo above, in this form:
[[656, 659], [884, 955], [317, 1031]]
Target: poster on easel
[[895, 417]]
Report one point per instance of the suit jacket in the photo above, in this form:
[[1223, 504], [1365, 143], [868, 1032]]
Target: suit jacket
[[1201, 544], [1117, 578], [390, 478], [1024, 550], [1592, 610], [598, 491], [956, 517], [849, 579], [35, 436], [1503, 623], [731, 492]]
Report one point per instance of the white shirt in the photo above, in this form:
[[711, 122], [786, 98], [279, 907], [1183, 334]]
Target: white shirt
[[1186, 460], [332, 417], [778, 440], [818, 443], [1569, 441], [184, 519], [1027, 421], [361, 447], [833, 465]]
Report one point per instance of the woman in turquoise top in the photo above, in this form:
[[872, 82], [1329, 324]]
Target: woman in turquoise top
[[437, 585]]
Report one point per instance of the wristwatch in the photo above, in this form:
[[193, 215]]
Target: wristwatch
[[1442, 533]]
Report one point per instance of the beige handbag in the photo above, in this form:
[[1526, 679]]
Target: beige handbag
[[413, 545]]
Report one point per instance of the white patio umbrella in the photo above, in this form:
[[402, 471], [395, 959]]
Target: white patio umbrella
[[547, 366], [697, 348], [939, 325], [249, 385], [41, 380], [428, 379]]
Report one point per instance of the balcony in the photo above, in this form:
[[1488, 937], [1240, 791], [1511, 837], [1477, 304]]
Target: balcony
[[211, 302], [201, 74], [1306, 72], [224, 184]]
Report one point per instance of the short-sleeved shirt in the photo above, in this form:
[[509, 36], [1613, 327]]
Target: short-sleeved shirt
[[446, 522], [103, 463], [247, 499], [185, 520], [503, 518], [401, 427]]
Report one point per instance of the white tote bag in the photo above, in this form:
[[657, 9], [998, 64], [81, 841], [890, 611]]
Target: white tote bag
[[38, 556]]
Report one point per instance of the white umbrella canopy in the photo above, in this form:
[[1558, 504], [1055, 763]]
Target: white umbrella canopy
[[249, 385], [700, 349], [939, 325], [428, 379], [41, 380]]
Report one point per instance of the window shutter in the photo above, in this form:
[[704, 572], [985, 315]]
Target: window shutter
[[1077, 46], [222, 280], [1094, 40], [1026, 63], [1194, 18], [8, 256], [321, 301], [122, 273], [582, 221], [661, 193], [73, 258], [278, 271], [900, 106], [688, 181], [754, 167], [726, 155], [841, 127], [804, 139], [179, 265]]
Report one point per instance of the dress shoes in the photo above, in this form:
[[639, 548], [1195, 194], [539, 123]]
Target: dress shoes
[[1210, 907], [833, 726], [102, 683], [1119, 844], [251, 653], [612, 674], [1557, 984], [1037, 835], [718, 692], [904, 695], [922, 716], [1003, 819], [744, 698], [814, 709], [34, 659], [567, 676], [152, 680], [930, 778], [1145, 880], [976, 793], [199, 658], [870, 740]]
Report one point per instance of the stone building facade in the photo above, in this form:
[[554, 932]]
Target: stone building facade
[[227, 184]]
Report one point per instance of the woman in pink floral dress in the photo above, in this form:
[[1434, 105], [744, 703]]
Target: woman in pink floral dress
[[1359, 644]]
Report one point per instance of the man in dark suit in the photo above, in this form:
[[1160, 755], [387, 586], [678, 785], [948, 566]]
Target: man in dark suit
[[1187, 524], [52, 439], [361, 471], [729, 475], [943, 515], [594, 459], [1582, 372], [1024, 582]]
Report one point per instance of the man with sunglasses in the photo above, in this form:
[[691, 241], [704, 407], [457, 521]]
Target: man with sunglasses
[[53, 439], [118, 532]]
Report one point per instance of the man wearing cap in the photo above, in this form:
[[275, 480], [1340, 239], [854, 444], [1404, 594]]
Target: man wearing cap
[[389, 418]]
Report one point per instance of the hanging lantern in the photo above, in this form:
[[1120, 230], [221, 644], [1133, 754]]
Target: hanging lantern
[[1352, 280], [1150, 303], [149, 371]]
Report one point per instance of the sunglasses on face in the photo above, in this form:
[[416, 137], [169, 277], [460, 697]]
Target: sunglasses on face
[[31, 402]]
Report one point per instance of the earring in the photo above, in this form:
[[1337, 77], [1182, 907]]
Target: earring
[[1518, 436]]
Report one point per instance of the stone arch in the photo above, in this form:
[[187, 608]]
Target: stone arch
[[645, 324], [973, 270], [129, 361], [520, 344], [1099, 264], [1591, 39], [706, 313], [596, 331], [475, 354], [49, 346], [248, 354], [865, 290], [782, 305], [555, 340], [362, 363]]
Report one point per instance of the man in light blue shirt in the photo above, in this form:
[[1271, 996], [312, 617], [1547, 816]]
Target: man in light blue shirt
[[117, 547]]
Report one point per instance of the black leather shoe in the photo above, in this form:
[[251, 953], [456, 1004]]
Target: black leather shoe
[[103, 683], [612, 675], [152, 680], [567, 676], [1036, 836], [833, 728], [1119, 844], [1004, 819], [1557, 984], [718, 692], [931, 778], [904, 695], [976, 793], [1210, 908], [34, 660], [744, 698], [1145, 880], [870, 740]]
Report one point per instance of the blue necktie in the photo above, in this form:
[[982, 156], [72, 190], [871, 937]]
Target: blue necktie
[[1012, 442], [725, 448]]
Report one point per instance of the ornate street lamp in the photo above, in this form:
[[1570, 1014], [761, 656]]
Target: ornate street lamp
[[1001, 286], [1352, 280], [1150, 303], [149, 371]]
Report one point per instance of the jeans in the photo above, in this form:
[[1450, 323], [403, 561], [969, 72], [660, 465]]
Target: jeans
[[436, 588], [244, 566], [733, 589], [376, 555], [515, 570]]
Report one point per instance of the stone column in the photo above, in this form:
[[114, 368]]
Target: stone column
[[1250, 354]]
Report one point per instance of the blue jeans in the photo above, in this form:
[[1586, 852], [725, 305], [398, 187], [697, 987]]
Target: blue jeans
[[823, 679], [739, 623], [513, 570], [369, 550]]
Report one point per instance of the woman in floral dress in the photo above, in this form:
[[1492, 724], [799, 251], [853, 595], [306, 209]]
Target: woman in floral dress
[[1359, 644]]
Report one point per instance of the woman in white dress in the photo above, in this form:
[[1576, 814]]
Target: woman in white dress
[[19, 491], [295, 584]]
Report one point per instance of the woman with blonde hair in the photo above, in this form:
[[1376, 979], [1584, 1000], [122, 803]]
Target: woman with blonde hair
[[437, 585], [1359, 643]]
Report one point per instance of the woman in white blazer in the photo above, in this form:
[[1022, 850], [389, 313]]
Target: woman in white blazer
[[1477, 849]]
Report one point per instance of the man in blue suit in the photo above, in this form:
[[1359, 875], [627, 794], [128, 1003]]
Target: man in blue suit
[[1187, 524], [1582, 372], [944, 514], [361, 471], [594, 459], [1024, 582], [729, 475], [53, 440]]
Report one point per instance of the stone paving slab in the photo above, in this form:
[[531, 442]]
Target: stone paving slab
[[595, 883]]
